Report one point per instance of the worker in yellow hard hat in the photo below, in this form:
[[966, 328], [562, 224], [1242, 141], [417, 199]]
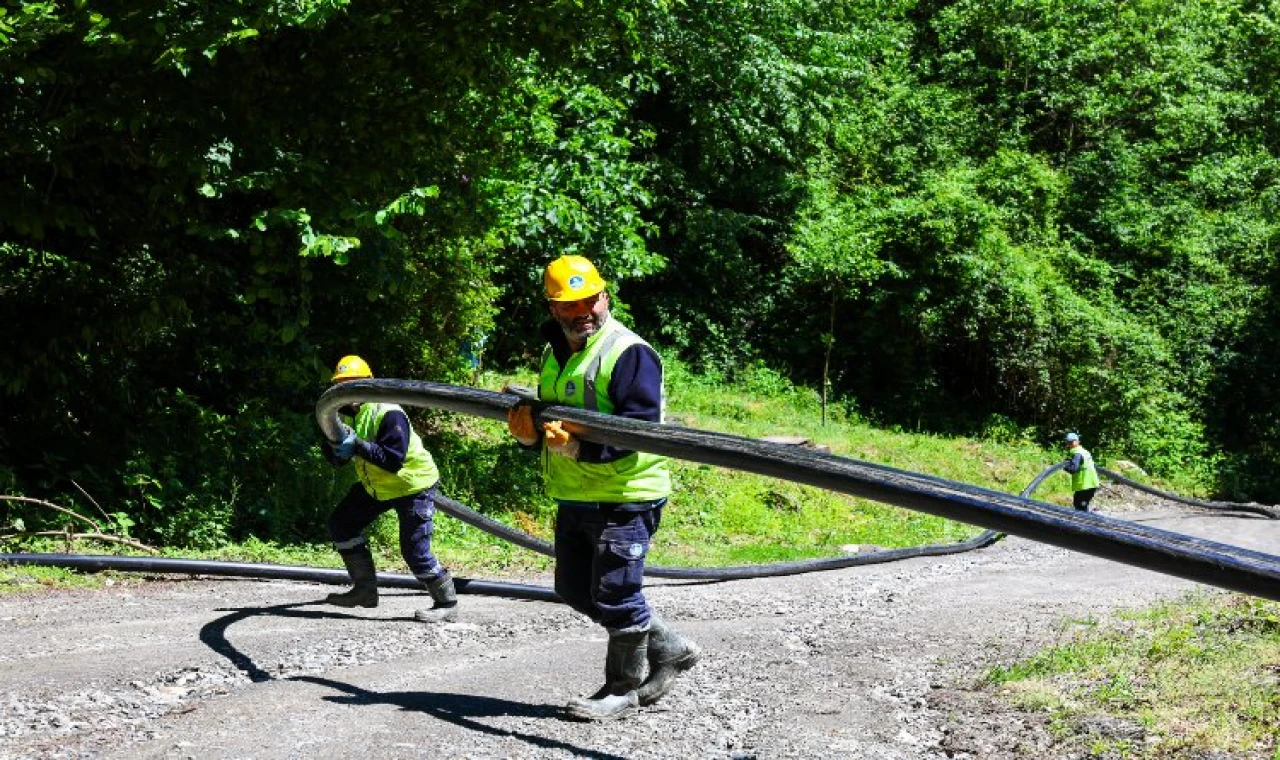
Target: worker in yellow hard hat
[[610, 499], [394, 471]]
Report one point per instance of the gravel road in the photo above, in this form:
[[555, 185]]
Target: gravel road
[[872, 662]]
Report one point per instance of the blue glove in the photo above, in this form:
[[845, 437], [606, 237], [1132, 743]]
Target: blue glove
[[347, 448]]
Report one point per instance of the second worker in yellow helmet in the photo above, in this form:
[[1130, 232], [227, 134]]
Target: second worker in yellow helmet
[[394, 471]]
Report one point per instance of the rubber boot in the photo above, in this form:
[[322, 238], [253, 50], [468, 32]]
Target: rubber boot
[[670, 654], [624, 666], [359, 562], [445, 596]]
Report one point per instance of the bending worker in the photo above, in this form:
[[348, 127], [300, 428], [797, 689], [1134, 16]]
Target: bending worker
[[394, 471], [1084, 475], [610, 499]]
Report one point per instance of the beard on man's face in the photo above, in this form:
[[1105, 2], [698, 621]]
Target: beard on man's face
[[582, 326]]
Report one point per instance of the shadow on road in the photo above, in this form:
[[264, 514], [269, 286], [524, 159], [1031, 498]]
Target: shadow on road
[[214, 633], [458, 709]]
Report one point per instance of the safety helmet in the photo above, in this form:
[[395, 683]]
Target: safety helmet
[[1071, 437], [351, 368], [571, 278]]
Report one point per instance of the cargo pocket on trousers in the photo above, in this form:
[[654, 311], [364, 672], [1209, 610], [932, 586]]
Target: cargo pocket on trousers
[[623, 570]]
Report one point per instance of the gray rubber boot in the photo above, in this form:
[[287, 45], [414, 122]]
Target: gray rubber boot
[[364, 577], [623, 671], [670, 654], [445, 596]]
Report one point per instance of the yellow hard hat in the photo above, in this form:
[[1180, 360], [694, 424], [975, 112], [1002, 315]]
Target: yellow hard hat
[[351, 368], [571, 278]]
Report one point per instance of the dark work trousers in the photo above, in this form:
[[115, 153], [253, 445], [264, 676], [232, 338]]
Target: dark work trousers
[[1082, 499], [600, 553], [358, 509]]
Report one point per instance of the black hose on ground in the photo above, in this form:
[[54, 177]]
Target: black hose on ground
[[97, 563], [1184, 556], [1222, 506], [93, 562], [739, 572]]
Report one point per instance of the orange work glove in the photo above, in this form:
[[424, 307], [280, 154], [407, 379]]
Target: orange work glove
[[520, 423], [559, 440]]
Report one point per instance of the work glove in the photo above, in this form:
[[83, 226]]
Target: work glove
[[520, 423], [559, 440], [347, 447]]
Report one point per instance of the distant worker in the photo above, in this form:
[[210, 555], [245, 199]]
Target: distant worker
[[394, 471], [1084, 476], [610, 499]]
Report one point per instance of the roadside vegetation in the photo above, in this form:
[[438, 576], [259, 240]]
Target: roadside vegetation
[[1197, 677]]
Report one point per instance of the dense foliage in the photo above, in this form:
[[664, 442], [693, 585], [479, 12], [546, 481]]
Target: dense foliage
[[1010, 216]]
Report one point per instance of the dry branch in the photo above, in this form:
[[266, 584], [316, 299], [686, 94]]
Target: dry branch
[[95, 535], [50, 505]]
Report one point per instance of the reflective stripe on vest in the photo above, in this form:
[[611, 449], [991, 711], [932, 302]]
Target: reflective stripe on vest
[[1087, 476], [418, 472], [584, 383]]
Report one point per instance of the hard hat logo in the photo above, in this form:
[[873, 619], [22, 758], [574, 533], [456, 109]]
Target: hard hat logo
[[571, 278]]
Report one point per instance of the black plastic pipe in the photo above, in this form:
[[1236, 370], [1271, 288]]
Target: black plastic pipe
[[93, 562], [1184, 556], [1221, 506]]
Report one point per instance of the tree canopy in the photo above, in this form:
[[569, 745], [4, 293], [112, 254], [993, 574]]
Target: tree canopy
[[967, 216]]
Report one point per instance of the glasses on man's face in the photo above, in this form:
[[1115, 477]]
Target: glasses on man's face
[[572, 307]]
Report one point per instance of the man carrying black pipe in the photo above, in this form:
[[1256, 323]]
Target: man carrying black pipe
[[610, 500], [394, 471]]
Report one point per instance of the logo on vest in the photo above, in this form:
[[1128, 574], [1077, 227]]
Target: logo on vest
[[570, 388], [576, 282], [636, 551]]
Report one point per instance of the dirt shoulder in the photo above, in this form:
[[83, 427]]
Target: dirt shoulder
[[871, 662]]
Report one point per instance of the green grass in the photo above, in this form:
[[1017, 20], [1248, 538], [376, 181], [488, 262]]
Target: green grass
[[27, 579], [1197, 676]]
